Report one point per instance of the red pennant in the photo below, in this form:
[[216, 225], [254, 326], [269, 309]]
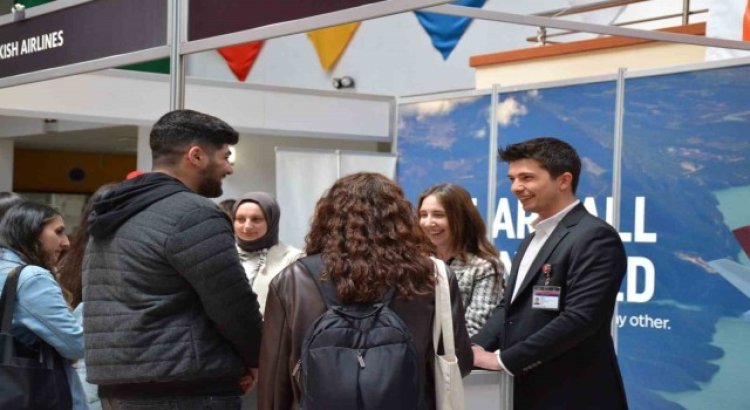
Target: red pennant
[[746, 23], [241, 57]]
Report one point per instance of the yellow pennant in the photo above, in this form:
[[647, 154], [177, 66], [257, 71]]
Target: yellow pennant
[[331, 42]]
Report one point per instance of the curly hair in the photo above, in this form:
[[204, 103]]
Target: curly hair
[[364, 229]]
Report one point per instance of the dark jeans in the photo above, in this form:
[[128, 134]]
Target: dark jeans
[[175, 403]]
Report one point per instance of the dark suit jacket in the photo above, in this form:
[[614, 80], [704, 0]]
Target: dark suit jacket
[[564, 359]]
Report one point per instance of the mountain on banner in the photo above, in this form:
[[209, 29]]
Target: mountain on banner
[[330, 42], [241, 57], [445, 31]]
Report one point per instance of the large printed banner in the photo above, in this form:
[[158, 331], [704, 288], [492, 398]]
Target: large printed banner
[[445, 141], [684, 317], [582, 115], [685, 333]]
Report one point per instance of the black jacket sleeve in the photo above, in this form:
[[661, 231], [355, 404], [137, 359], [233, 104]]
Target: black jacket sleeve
[[203, 251], [492, 332], [597, 265]]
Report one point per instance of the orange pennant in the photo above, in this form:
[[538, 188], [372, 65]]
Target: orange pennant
[[746, 23], [331, 42], [241, 57]]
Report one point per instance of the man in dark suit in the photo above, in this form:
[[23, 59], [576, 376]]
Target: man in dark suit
[[552, 329]]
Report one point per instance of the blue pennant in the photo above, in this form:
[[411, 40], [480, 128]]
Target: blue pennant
[[445, 31]]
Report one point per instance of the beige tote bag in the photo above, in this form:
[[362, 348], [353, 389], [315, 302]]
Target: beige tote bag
[[449, 386]]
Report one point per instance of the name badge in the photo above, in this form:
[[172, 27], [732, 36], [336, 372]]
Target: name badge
[[546, 297]]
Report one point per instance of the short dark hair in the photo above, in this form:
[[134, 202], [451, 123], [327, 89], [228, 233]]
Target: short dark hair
[[21, 228], [177, 130], [554, 155]]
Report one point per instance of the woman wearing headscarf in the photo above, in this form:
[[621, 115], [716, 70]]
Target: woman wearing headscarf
[[256, 226]]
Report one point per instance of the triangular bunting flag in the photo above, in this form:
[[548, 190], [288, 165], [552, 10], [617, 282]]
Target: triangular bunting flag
[[241, 57], [331, 42], [445, 31], [746, 23]]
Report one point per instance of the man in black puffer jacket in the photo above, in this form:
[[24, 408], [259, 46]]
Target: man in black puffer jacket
[[169, 316]]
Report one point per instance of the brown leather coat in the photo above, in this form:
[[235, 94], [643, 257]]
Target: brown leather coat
[[294, 304]]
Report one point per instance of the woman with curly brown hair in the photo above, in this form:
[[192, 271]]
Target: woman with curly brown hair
[[369, 243]]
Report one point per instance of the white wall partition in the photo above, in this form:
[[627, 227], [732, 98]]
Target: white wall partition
[[302, 176], [351, 162]]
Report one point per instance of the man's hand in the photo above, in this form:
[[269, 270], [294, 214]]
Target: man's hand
[[249, 380], [484, 359]]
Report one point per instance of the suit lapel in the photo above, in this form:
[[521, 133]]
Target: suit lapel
[[542, 256], [558, 234], [514, 270]]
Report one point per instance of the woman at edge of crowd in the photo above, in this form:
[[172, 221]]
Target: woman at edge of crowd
[[34, 234], [456, 230], [393, 254], [255, 217], [70, 279]]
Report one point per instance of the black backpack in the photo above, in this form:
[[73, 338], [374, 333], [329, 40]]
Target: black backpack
[[359, 356]]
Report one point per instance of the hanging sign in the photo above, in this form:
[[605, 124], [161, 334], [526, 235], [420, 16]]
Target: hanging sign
[[85, 32], [210, 18]]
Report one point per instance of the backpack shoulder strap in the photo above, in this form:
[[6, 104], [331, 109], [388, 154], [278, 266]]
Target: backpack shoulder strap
[[8, 298], [314, 265]]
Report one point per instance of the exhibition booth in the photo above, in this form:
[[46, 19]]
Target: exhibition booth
[[666, 161]]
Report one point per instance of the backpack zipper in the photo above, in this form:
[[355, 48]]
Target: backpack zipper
[[360, 359]]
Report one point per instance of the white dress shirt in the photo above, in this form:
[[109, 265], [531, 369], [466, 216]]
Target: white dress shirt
[[542, 231]]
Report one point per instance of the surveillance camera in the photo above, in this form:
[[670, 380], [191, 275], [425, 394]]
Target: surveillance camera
[[343, 82]]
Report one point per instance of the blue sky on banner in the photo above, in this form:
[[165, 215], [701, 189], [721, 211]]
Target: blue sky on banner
[[445, 31], [582, 115], [686, 152], [685, 318], [445, 141]]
